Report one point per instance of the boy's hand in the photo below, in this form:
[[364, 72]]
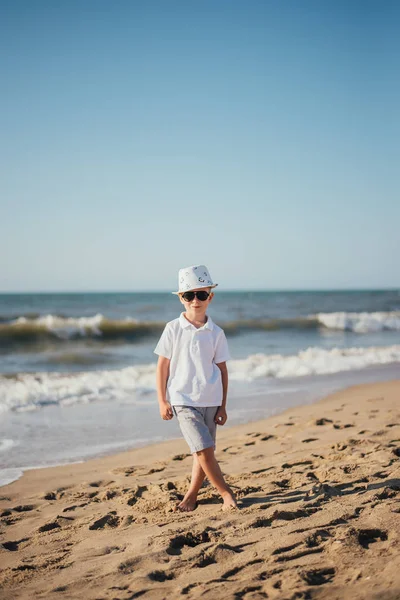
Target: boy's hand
[[166, 411], [221, 416]]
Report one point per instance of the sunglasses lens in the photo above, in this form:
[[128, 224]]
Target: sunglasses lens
[[188, 296], [202, 295]]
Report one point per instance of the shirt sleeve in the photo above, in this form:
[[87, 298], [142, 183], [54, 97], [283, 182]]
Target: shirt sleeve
[[164, 346], [221, 349]]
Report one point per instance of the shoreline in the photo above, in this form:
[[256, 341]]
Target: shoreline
[[261, 401], [318, 487]]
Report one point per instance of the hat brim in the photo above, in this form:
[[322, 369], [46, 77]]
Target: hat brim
[[198, 287]]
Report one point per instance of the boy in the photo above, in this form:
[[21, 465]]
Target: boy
[[192, 381]]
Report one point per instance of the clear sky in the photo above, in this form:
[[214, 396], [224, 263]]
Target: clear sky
[[261, 138]]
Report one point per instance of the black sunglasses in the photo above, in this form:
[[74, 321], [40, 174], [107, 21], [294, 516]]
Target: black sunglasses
[[189, 296]]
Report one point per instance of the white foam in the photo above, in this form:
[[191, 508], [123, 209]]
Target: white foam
[[361, 322], [33, 391], [313, 361], [9, 475], [136, 384], [65, 328], [6, 444]]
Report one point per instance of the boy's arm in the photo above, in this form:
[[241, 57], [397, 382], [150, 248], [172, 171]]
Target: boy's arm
[[221, 416], [162, 378]]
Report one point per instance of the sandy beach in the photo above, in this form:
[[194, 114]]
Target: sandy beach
[[319, 514]]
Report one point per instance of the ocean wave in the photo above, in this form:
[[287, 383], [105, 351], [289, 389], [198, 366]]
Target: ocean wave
[[24, 330], [27, 392], [313, 361], [361, 322]]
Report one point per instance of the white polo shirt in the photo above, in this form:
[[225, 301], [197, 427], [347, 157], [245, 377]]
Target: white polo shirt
[[194, 378]]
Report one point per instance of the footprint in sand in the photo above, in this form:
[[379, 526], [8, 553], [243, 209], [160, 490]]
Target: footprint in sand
[[14, 546], [57, 494], [98, 484], [232, 449], [324, 490], [155, 470], [127, 471], [187, 539], [24, 568], [261, 437], [281, 515], [106, 550], [282, 483], [24, 508], [135, 494], [180, 456], [347, 469], [127, 567], [365, 537], [160, 576], [74, 507], [49, 527], [380, 474], [139, 470], [318, 576], [108, 521], [312, 544], [323, 421], [109, 495], [385, 494], [236, 570], [258, 471], [296, 464]]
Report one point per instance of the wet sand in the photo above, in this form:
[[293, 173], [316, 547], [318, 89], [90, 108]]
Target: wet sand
[[319, 514]]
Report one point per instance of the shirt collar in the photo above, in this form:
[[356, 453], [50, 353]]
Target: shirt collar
[[184, 323]]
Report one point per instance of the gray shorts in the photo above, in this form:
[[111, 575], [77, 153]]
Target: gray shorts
[[197, 426]]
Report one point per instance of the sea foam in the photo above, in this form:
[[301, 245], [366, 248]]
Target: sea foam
[[26, 392], [361, 322]]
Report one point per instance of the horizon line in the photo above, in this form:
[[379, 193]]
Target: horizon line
[[228, 290]]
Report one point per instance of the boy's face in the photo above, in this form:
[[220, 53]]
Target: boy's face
[[197, 305]]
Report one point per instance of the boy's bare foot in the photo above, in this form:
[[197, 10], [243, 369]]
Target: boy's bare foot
[[229, 501], [188, 504]]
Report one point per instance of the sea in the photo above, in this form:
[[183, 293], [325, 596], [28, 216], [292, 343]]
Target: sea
[[77, 370]]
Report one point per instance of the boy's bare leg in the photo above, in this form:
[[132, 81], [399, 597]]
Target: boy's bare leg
[[211, 468], [189, 502]]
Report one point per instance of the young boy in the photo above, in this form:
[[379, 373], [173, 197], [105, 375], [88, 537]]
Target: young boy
[[192, 381]]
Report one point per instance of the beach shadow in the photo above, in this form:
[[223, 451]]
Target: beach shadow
[[321, 492]]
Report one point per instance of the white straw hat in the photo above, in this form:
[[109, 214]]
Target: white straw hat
[[194, 278]]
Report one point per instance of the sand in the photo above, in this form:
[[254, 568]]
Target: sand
[[319, 514]]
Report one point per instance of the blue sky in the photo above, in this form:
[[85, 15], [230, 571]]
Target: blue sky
[[260, 138]]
